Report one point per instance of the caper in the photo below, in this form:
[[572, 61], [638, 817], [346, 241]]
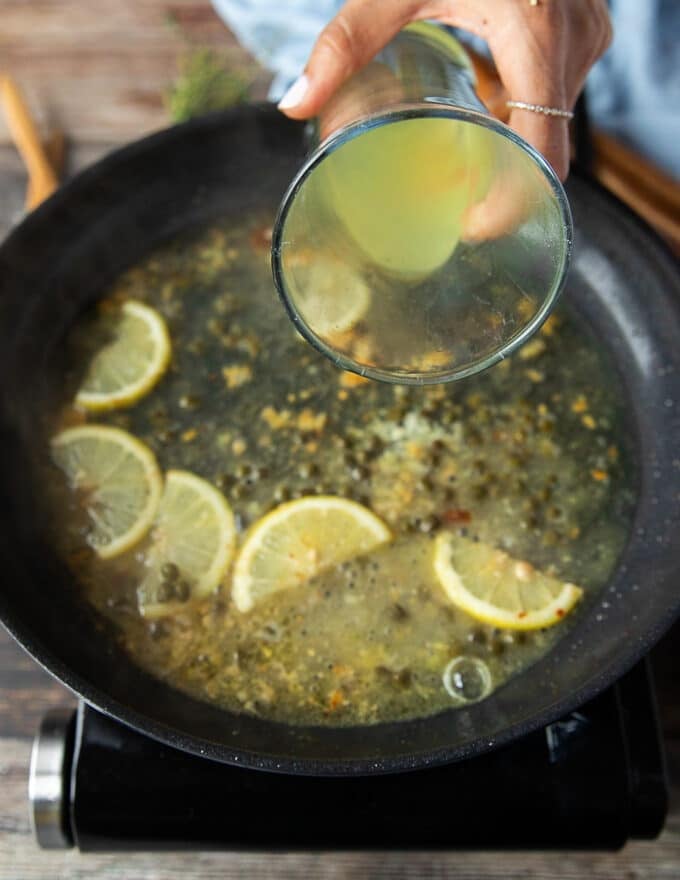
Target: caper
[[157, 629], [376, 444], [308, 469], [182, 591], [282, 493], [431, 408], [398, 612], [196, 346], [404, 678], [119, 603], [477, 637], [169, 571], [165, 591], [224, 481], [360, 472], [429, 523], [243, 470], [189, 401]]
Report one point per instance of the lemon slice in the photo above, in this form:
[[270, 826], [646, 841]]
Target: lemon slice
[[119, 480], [191, 545], [331, 297], [495, 588], [301, 539], [128, 366]]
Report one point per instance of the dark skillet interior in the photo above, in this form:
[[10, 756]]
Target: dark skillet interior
[[64, 255]]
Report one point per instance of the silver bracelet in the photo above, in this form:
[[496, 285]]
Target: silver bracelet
[[540, 108]]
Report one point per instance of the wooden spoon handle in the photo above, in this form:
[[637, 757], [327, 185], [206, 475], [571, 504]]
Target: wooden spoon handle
[[43, 180]]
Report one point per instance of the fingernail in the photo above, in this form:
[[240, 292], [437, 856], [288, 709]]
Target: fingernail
[[295, 93]]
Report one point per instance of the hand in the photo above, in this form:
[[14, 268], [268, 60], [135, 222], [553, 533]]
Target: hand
[[542, 50]]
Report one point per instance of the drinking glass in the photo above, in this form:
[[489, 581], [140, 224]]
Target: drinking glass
[[422, 240]]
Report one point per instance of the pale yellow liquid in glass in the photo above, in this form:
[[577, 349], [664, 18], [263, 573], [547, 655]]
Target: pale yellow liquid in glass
[[375, 254], [401, 191]]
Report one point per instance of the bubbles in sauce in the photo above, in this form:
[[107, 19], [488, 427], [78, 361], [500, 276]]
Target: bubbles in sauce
[[467, 679]]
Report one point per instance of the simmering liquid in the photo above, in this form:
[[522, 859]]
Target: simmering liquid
[[527, 457]]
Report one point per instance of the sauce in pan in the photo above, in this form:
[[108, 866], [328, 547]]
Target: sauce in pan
[[527, 458]]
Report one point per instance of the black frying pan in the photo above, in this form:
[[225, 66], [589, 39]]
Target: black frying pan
[[64, 255]]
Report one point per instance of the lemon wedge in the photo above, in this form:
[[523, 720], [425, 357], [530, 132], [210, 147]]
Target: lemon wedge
[[128, 366], [118, 479], [331, 297], [190, 547], [494, 588], [300, 539]]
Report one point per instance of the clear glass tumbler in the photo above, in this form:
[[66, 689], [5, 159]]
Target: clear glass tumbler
[[422, 240]]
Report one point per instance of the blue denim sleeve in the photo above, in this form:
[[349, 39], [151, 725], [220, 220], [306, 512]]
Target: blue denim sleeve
[[633, 91], [279, 34]]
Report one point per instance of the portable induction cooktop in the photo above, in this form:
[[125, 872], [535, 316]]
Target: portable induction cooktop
[[592, 780]]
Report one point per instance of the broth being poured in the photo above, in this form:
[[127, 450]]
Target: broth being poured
[[472, 501]]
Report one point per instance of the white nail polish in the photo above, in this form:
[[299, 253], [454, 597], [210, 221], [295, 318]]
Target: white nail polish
[[295, 93]]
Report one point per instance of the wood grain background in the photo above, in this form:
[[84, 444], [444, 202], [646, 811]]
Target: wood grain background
[[99, 69]]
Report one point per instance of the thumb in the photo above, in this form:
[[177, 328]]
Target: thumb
[[357, 33]]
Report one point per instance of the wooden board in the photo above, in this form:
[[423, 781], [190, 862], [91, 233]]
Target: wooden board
[[100, 70]]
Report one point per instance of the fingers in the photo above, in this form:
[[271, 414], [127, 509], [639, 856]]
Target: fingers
[[548, 134], [359, 31]]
